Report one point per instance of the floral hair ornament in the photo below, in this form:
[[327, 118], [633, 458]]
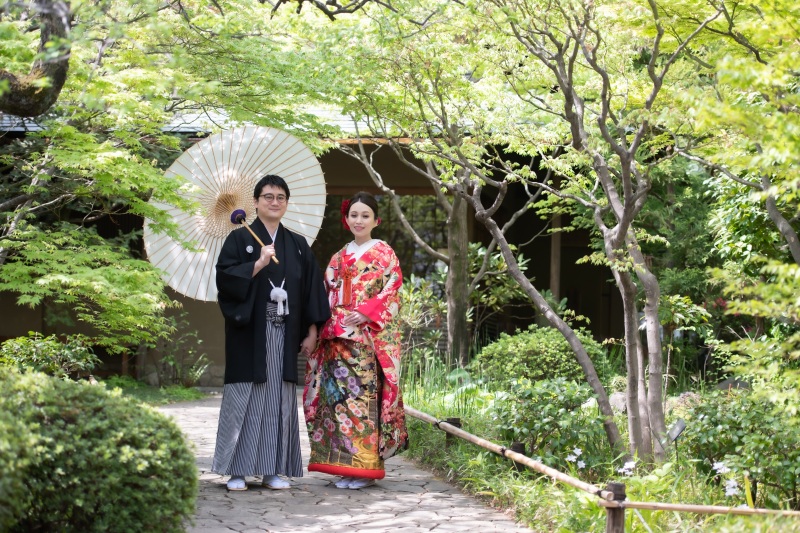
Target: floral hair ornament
[[345, 211]]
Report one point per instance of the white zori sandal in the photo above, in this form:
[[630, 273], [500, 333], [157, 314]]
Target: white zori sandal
[[360, 483], [237, 483], [344, 483], [275, 483]]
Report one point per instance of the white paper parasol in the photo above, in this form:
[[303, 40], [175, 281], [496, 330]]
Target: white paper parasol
[[224, 169]]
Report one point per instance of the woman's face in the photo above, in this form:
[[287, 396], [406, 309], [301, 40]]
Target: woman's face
[[362, 221]]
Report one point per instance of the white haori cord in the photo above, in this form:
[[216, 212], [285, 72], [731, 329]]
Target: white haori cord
[[279, 296]]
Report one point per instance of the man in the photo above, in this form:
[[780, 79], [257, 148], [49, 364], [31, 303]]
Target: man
[[273, 300]]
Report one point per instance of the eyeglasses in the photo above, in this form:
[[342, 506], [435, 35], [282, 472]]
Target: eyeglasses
[[271, 198]]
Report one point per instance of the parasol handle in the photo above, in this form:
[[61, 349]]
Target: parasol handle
[[238, 217]]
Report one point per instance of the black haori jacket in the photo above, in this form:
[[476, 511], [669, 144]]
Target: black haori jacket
[[243, 300]]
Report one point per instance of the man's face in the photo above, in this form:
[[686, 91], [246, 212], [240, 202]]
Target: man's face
[[271, 204]]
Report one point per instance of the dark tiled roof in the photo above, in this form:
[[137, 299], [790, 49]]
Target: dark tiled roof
[[183, 123], [15, 123], [192, 122]]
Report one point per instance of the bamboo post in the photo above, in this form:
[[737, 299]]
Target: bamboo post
[[518, 447], [448, 438], [615, 516]]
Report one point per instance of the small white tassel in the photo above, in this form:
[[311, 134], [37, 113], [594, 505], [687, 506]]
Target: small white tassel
[[279, 296]]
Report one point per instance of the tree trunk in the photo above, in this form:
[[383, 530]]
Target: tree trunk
[[787, 231], [26, 96], [457, 282], [646, 449], [655, 366], [627, 290], [555, 258]]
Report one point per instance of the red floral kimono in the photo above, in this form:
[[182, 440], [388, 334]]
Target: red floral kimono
[[352, 402]]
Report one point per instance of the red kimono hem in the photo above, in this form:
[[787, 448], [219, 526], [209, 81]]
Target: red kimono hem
[[346, 471]]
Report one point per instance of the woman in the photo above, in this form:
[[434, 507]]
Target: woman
[[354, 411]]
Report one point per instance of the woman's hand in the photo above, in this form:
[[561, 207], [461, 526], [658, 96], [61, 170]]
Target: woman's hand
[[355, 319]]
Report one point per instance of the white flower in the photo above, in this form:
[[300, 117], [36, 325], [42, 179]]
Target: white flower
[[581, 465], [732, 488], [577, 451], [627, 468], [720, 468], [571, 458]]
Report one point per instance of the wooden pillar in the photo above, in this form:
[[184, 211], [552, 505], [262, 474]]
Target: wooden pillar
[[615, 516]]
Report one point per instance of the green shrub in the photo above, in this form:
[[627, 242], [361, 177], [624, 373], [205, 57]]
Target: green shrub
[[734, 434], [15, 448], [535, 354], [71, 358], [98, 461], [549, 417]]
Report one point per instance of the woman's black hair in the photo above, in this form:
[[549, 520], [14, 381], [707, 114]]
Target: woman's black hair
[[273, 180], [366, 199]]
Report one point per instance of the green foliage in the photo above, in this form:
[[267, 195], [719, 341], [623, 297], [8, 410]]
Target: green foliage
[[742, 230], [145, 393], [549, 417], [535, 354], [493, 289], [181, 362], [771, 356], [120, 297], [752, 438], [545, 505], [98, 462], [422, 309], [72, 358], [677, 313], [16, 448]]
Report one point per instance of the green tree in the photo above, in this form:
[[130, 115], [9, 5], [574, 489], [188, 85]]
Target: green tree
[[102, 146], [430, 89], [586, 91], [745, 132]]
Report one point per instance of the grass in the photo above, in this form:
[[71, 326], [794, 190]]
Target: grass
[[153, 395]]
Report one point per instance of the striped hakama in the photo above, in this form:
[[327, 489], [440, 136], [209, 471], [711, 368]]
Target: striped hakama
[[258, 432]]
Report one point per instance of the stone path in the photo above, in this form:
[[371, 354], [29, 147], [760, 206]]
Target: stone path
[[408, 500]]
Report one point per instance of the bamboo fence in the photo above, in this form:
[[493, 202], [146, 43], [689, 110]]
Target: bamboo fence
[[612, 497]]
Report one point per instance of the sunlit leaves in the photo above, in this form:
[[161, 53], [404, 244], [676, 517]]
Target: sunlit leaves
[[120, 297]]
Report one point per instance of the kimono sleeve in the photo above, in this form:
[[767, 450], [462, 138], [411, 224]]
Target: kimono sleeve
[[383, 307], [235, 284], [316, 309]]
